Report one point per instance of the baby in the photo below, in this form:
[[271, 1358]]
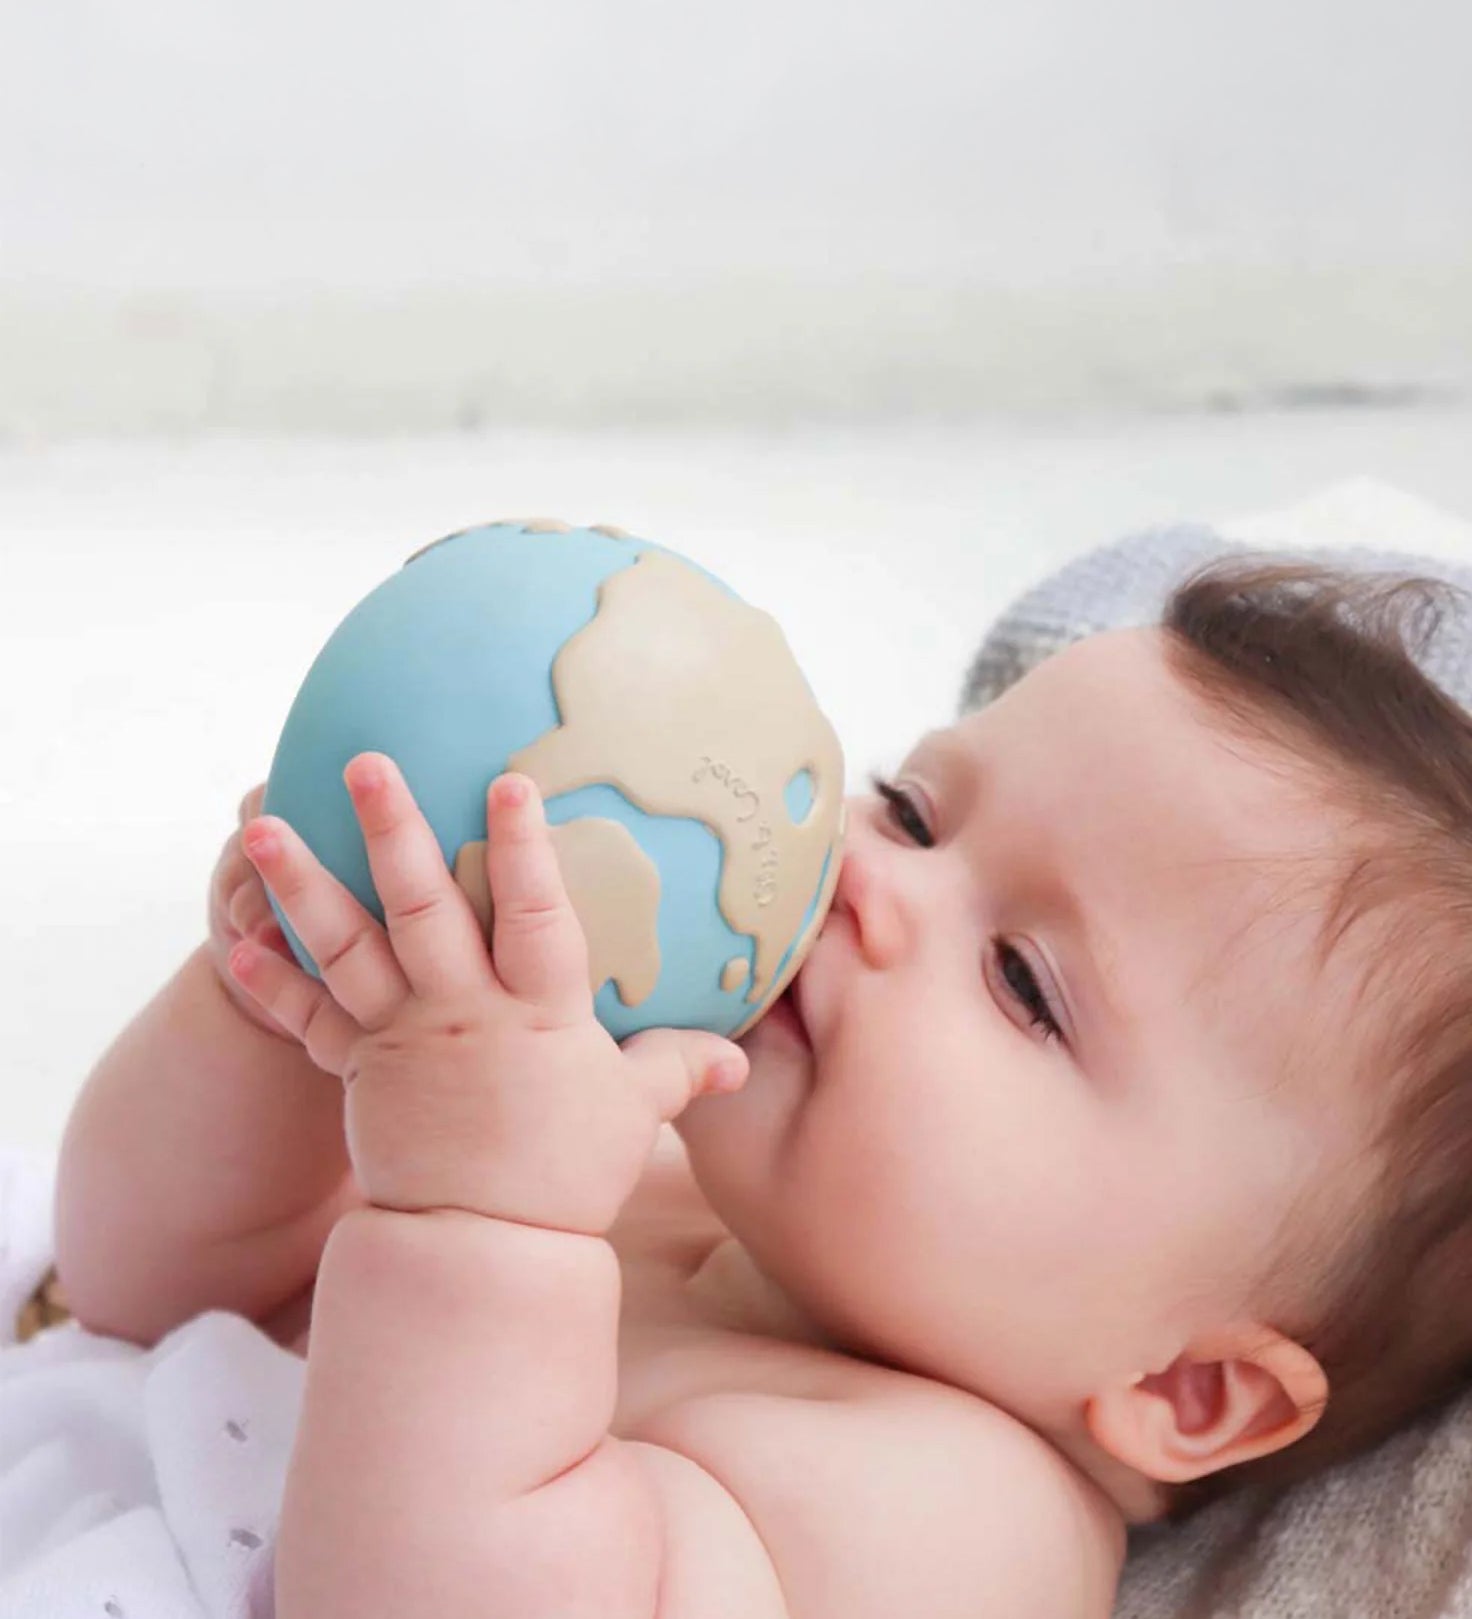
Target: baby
[[1039, 1221]]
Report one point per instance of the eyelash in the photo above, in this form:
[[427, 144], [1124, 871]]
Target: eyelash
[[903, 813]]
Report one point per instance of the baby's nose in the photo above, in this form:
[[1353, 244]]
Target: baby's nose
[[864, 896]]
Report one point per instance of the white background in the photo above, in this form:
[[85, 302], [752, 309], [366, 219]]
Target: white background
[[880, 311], [288, 213]]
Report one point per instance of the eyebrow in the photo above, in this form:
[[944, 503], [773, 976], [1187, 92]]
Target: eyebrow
[[1102, 987]]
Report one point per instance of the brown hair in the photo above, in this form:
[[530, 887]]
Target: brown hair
[[1321, 661]]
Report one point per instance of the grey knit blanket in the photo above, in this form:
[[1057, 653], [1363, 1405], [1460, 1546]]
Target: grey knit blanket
[[1387, 1535], [1126, 584]]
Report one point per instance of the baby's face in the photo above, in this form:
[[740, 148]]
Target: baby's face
[[944, 1183]]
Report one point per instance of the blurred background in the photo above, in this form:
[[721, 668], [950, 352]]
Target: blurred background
[[289, 217], [879, 311]]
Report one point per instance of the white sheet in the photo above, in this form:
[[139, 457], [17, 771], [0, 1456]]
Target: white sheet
[[134, 1484]]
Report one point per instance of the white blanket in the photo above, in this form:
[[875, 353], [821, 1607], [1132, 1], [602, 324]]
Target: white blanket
[[134, 1484]]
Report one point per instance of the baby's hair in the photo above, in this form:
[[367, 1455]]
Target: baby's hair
[[1321, 664]]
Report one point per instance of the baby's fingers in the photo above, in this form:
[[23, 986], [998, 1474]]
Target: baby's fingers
[[350, 949], [673, 1066], [237, 902], [248, 907], [301, 1005], [250, 805], [537, 941], [436, 940]]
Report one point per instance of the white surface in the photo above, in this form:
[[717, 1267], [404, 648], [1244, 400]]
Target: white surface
[[256, 214], [261, 143], [134, 1482], [159, 606]]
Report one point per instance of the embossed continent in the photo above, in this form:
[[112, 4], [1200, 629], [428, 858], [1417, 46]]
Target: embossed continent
[[689, 702], [614, 888]]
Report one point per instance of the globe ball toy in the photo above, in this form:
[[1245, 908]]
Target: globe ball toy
[[693, 787]]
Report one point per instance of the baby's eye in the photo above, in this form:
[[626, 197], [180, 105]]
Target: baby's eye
[[902, 810], [1023, 989], [1020, 984]]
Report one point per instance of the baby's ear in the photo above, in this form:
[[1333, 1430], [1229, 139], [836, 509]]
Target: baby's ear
[[1229, 1396]]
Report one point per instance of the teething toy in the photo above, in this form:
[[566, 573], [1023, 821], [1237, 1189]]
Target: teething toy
[[694, 787]]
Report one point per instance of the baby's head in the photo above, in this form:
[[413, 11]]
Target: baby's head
[[1139, 1093]]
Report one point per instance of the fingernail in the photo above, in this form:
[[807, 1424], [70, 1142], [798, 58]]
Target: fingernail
[[363, 776], [260, 842], [729, 1075], [511, 792]]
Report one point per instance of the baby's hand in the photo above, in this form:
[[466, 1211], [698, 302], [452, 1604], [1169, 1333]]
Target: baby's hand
[[475, 1079], [239, 909]]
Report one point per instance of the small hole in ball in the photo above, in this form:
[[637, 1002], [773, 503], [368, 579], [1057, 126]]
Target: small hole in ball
[[799, 797]]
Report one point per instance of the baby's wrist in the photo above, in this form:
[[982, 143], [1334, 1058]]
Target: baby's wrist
[[446, 1154]]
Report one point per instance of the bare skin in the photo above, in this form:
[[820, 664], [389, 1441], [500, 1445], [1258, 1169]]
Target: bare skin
[[460, 1341], [935, 1219], [694, 1325]]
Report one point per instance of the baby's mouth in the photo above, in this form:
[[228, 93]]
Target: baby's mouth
[[786, 1015]]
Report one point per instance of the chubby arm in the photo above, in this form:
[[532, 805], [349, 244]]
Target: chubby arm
[[454, 1460], [453, 1457], [202, 1166]]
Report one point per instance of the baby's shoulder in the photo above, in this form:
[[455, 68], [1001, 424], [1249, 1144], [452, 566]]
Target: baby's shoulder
[[885, 1495]]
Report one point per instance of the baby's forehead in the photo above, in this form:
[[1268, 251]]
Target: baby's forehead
[[1125, 680], [1207, 856], [1111, 721]]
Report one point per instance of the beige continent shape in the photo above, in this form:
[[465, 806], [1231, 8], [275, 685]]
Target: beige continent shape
[[689, 702], [614, 887]]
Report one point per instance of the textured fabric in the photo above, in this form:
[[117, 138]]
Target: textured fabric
[[1386, 1535], [1126, 584], [134, 1484]]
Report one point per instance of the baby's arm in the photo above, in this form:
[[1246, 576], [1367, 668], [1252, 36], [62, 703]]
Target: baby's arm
[[455, 1453], [202, 1166]]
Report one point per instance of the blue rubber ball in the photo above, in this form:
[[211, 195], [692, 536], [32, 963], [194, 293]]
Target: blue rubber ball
[[693, 786]]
